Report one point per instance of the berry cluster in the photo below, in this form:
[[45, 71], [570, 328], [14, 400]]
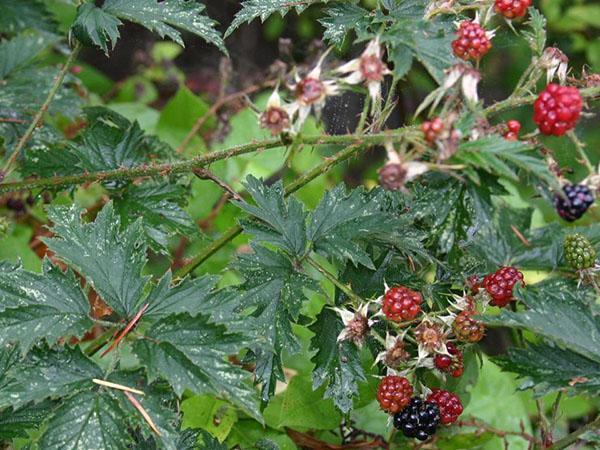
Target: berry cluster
[[394, 393], [448, 403], [575, 202], [499, 285], [512, 9], [401, 303], [419, 419], [579, 252], [472, 41], [557, 109]]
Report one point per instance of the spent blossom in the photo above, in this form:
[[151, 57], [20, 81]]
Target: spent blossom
[[356, 324], [276, 117]]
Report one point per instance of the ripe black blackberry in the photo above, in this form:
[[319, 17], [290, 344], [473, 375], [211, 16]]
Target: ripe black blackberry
[[418, 420], [575, 202]]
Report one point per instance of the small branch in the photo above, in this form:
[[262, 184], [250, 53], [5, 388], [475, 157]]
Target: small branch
[[215, 108], [580, 147], [574, 436], [205, 174], [126, 330], [356, 299], [142, 411], [9, 120], [9, 166], [473, 422], [117, 386]]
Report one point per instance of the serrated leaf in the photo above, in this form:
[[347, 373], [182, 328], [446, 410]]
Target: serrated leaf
[[94, 26], [159, 205], [45, 373], [19, 15], [17, 52], [191, 353], [14, 423], [283, 223], [87, 420], [9, 355], [341, 18], [558, 311], [254, 9], [550, 368], [337, 364], [536, 36], [188, 296], [342, 220], [209, 413], [499, 156], [33, 306], [164, 17], [111, 260]]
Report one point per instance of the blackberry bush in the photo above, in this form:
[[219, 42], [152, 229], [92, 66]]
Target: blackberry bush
[[257, 241]]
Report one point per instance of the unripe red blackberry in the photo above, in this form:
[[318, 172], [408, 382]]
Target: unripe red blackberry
[[401, 303], [432, 129], [513, 127], [512, 9], [394, 393], [448, 403], [579, 252], [557, 109], [472, 41], [467, 329], [450, 364], [500, 285], [576, 201]]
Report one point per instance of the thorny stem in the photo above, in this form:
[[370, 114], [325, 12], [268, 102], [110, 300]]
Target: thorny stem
[[571, 438], [186, 166], [9, 166], [356, 299], [580, 147], [473, 422]]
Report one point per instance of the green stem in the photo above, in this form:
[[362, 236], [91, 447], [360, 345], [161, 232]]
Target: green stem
[[363, 115], [9, 166], [580, 147], [571, 438], [178, 167], [356, 299]]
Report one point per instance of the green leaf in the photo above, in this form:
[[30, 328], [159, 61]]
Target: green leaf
[[188, 296], [163, 17], [301, 407], [337, 364], [22, 49], [273, 291], [340, 220], [14, 423], [342, 18], [111, 260], [498, 156], [33, 306], [536, 36], [190, 353], [19, 15], [9, 356], [558, 311], [282, 223], [87, 420], [94, 26], [45, 373], [211, 414], [253, 9], [549, 368], [159, 205]]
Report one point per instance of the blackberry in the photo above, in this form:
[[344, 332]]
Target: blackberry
[[419, 419], [467, 329], [579, 252], [401, 303], [393, 393], [449, 404], [500, 285], [472, 41], [450, 364], [512, 9], [432, 129], [557, 109], [575, 202], [513, 127]]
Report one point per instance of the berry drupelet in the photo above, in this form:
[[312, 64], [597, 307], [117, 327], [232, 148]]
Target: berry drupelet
[[472, 41], [401, 303], [579, 252], [575, 202], [513, 127], [450, 364], [500, 285], [448, 403], [394, 393], [557, 109], [512, 9], [419, 419]]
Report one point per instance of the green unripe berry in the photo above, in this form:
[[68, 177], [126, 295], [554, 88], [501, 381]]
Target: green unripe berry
[[579, 252]]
